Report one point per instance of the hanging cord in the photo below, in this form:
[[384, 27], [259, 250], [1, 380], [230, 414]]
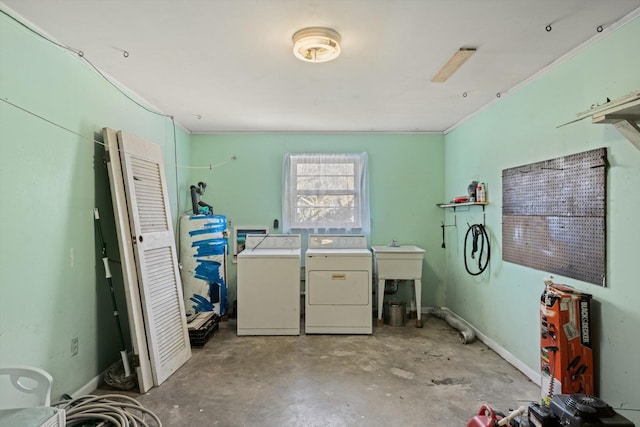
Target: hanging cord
[[82, 56], [110, 409], [480, 236], [211, 167]]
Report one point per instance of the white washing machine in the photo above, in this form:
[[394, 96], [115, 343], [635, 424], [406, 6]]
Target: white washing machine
[[268, 291], [338, 288]]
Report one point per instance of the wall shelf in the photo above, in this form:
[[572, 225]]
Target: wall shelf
[[468, 205], [625, 117], [623, 113], [456, 205]]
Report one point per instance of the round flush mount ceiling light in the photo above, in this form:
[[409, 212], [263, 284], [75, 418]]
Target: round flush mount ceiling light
[[316, 44]]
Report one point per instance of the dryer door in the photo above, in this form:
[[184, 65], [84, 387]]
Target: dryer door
[[342, 287]]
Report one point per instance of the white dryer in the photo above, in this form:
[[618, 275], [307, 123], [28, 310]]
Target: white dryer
[[268, 291], [338, 288]]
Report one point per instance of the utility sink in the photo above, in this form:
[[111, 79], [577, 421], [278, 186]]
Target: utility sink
[[401, 249], [402, 262], [399, 262]]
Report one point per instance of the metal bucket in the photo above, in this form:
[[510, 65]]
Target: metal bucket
[[395, 313]]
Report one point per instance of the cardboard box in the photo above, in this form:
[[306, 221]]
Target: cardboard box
[[566, 344]]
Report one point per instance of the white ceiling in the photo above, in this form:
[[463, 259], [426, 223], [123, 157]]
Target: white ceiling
[[227, 65]]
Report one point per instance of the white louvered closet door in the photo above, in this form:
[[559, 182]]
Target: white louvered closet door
[[127, 258], [157, 265]]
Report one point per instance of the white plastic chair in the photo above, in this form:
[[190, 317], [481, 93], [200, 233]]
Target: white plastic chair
[[25, 396]]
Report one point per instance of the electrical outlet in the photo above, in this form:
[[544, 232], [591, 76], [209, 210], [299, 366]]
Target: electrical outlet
[[74, 346]]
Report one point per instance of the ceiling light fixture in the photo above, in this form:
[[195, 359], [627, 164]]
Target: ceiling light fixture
[[316, 44], [453, 64]]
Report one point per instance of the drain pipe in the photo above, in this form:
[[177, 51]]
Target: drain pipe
[[465, 333]]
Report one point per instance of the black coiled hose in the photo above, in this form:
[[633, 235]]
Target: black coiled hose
[[480, 236]]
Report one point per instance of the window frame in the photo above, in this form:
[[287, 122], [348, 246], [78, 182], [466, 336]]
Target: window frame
[[359, 191]]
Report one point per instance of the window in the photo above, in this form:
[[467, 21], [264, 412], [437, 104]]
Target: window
[[326, 191]]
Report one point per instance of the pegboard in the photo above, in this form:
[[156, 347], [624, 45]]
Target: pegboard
[[554, 215]]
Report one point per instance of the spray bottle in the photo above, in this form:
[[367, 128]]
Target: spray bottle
[[480, 192]]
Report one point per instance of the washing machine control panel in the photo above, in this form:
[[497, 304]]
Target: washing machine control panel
[[337, 241], [273, 241]]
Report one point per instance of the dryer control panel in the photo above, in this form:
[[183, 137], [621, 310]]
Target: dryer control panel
[[338, 241]]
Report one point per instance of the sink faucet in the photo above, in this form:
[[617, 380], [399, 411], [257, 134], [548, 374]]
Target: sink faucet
[[394, 244]]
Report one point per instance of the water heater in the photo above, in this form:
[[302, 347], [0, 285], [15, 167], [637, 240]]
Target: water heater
[[203, 251]]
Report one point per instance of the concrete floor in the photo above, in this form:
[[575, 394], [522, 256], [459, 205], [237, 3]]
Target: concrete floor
[[399, 376]]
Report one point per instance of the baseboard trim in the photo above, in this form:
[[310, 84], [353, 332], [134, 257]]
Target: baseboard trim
[[533, 375], [89, 387]]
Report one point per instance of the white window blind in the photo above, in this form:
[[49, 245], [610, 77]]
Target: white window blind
[[326, 192]]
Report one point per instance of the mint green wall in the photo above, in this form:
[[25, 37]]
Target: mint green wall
[[520, 129], [52, 287], [405, 181]]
